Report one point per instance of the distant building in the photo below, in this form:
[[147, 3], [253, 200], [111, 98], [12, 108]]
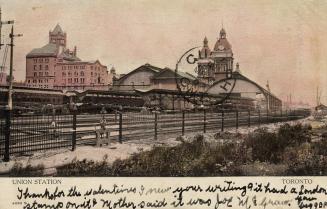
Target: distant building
[[216, 64], [321, 107], [54, 66], [149, 77], [157, 86], [139, 78]]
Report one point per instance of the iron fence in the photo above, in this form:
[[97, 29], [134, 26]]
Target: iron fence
[[29, 133], [25, 134]]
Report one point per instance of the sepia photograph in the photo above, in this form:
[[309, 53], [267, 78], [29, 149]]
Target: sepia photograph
[[121, 88]]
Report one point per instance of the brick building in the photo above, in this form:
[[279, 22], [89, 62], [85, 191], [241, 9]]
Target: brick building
[[54, 66]]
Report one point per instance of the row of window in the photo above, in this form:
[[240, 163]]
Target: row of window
[[46, 67], [62, 41], [95, 74], [38, 81], [70, 67], [41, 60], [39, 86], [218, 68], [95, 68], [41, 74], [75, 73], [81, 80], [76, 80]]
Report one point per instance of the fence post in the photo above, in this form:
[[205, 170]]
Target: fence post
[[7, 135], [236, 119], [249, 118], [259, 118], [155, 126], [204, 121], [74, 131], [120, 128], [267, 116], [183, 123], [222, 120], [281, 114]]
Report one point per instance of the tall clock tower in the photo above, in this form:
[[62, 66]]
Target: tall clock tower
[[222, 56]]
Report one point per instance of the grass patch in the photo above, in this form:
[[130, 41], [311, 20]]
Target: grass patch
[[196, 158], [270, 146]]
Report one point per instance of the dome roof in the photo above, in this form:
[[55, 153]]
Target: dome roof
[[222, 45]]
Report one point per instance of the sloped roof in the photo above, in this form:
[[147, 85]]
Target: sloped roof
[[47, 50], [57, 29], [238, 75], [169, 73], [146, 66], [154, 68], [321, 107]]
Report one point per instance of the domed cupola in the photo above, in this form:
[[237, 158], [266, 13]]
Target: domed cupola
[[222, 43]]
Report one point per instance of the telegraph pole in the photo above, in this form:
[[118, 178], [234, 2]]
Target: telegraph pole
[[11, 36], [3, 23]]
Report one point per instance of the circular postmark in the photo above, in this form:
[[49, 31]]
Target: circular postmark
[[203, 88]]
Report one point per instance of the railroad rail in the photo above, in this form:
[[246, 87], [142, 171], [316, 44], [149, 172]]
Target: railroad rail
[[20, 135]]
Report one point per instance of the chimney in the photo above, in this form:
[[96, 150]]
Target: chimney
[[75, 51]]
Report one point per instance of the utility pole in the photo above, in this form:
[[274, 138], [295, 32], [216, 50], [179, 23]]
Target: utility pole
[[317, 100], [11, 36], [3, 23], [290, 100]]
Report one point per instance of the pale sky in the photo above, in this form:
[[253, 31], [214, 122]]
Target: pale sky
[[283, 41]]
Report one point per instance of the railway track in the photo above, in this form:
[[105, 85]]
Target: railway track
[[32, 133]]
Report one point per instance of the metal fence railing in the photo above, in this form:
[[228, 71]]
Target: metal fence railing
[[30, 133], [26, 134]]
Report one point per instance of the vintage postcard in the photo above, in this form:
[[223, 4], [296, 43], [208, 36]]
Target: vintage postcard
[[227, 97]]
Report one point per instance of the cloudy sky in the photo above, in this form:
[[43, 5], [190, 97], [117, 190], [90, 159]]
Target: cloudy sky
[[283, 41]]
